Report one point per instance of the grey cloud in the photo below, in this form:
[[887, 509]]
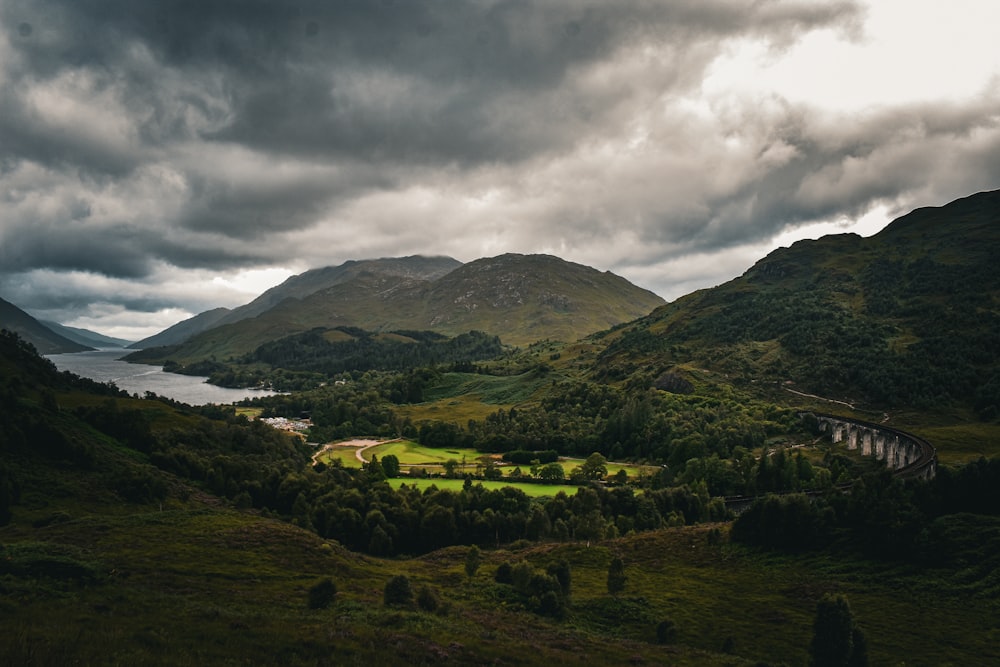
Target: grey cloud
[[413, 81], [214, 134]]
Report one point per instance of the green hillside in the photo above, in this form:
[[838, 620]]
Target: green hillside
[[520, 298], [906, 319], [41, 336], [125, 539]]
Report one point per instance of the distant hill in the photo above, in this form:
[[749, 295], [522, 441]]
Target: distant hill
[[86, 336], [183, 330], [45, 340], [908, 317], [298, 287], [414, 267], [520, 298], [525, 298]]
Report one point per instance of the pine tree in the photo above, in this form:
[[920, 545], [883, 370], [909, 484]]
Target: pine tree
[[616, 576], [836, 642], [472, 561]]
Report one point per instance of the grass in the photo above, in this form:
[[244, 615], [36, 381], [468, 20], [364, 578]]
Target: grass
[[445, 484], [200, 584], [411, 453], [432, 459]]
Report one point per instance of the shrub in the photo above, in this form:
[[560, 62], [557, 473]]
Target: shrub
[[616, 576], [398, 591], [666, 632], [427, 598], [322, 593], [503, 574], [472, 560]]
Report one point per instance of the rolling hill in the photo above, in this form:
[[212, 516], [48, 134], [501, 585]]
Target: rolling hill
[[908, 317], [45, 340], [521, 298], [183, 330], [86, 336]]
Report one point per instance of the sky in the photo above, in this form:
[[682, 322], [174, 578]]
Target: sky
[[158, 159]]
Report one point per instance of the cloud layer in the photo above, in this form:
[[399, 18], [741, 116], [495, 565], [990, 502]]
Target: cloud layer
[[146, 148]]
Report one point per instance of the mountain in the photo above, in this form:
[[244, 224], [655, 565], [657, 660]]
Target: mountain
[[907, 317], [45, 340], [85, 336], [520, 298], [414, 267], [298, 287], [183, 330], [525, 298]]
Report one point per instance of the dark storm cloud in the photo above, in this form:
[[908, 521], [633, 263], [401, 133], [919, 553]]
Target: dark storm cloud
[[412, 81], [217, 135]]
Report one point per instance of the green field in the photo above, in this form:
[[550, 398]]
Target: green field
[[534, 490], [412, 453], [432, 459]]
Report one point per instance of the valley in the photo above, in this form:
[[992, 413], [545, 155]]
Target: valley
[[469, 484]]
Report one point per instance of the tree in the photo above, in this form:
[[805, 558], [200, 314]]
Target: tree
[[472, 561], [390, 465], [503, 574], [551, 472], [595, 467], [7, 496], [398, 591], [616, 576], [449, 468], [322, 593], [666, 632], [834, 632], [560, 570], [427, 599], [375, 469]]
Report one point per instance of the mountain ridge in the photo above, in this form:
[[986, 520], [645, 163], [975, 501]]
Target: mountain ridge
[[86, 336], [521, 298], [43, 338], [907, 317]]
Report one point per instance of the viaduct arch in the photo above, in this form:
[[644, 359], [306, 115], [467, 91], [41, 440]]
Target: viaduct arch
[[906, 455]]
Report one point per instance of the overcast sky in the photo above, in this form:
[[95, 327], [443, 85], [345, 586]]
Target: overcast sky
[[160, 158]]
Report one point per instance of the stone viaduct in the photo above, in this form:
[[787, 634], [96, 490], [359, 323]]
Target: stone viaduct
[[905, 454]]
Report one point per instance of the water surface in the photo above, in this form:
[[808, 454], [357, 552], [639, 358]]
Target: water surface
[[105, 366]]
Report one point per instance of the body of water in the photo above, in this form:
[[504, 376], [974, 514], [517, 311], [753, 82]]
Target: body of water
[[105, 366]]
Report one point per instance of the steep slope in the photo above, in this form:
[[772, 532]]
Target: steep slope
[[45, 340], [85, 336], [520, 298], [414, 267], [908, 317], [524, 298], [183, 330]]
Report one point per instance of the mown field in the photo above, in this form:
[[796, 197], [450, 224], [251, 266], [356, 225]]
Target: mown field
[[432, 459]]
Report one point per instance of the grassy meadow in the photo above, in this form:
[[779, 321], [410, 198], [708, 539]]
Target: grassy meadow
[[199, 585], [431, 460]]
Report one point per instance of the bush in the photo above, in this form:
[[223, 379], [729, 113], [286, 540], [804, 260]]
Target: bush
[[398, 591], [666, 632], [427, 599], [616, 576], [322, 593], [503, 575]]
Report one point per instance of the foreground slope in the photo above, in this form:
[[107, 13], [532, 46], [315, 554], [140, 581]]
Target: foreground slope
[[106, 558], [907, 318]]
